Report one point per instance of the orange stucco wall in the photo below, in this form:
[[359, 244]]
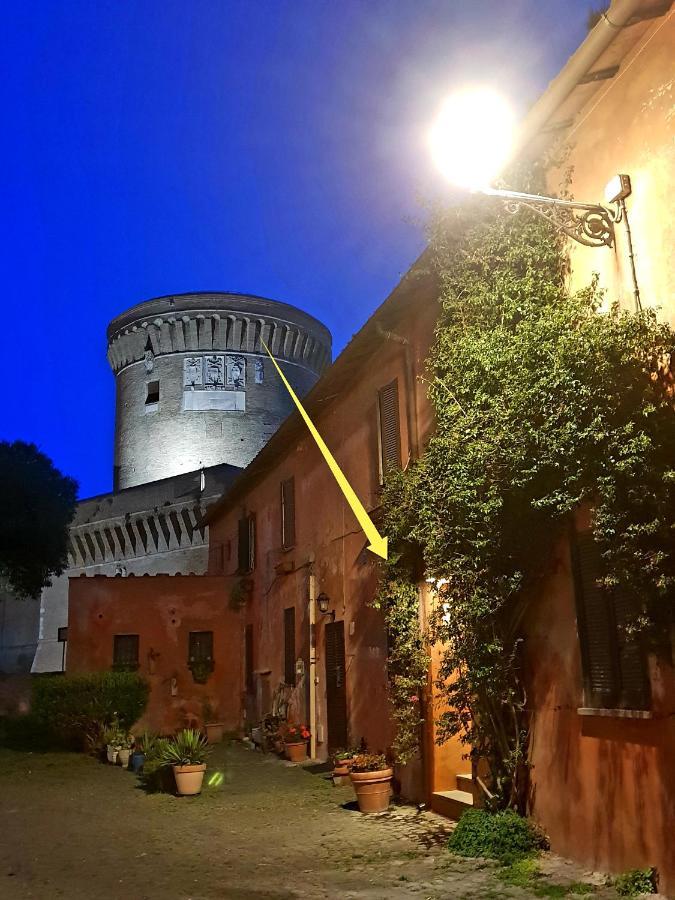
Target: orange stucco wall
[[162, 610], [330, 541], [627, 127], [603, 788]]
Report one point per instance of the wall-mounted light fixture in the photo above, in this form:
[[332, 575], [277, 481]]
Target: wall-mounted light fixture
[[323, 603], [471, 141]]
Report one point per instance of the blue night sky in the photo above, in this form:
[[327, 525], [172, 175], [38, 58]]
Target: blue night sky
[[260, 146]]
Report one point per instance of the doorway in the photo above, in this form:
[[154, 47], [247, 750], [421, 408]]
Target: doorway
[[336, 688]]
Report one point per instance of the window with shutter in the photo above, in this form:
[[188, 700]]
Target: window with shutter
[[246, 544], [288, 513], [389, 429], [125, 652], [200, 647], [250, 686], [289, 645], [613, 662]]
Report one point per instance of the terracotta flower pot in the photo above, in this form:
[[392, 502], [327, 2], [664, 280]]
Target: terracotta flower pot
[[296, 752], [373, 790], [215, 731], [189, 779]]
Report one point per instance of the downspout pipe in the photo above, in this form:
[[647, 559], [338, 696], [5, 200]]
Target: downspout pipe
[[579, 64]]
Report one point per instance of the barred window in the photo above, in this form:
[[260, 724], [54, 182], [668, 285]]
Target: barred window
[[125, 652]]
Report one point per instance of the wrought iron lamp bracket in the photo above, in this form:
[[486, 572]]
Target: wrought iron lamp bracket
[[589, 224]]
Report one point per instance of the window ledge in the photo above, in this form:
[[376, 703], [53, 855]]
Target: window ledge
[[615, 713]]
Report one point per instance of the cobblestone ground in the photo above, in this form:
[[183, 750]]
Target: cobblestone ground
[[72, 827]]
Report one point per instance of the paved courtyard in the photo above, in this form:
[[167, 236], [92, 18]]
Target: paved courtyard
[[75, 828]]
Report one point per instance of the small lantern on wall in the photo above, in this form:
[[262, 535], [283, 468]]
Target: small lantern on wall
[[323, 602]]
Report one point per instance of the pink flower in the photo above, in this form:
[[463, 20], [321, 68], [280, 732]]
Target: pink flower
[[414, 699]]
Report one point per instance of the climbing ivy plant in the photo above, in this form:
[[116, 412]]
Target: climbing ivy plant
[[544, 400]]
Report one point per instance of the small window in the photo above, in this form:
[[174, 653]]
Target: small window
[[246, 546], [613, 661], [125, 652], [288, 513], [289, 645], [200, 647], [250, 685], [216, 559], [63, 634], [152, 392], [389, 430]]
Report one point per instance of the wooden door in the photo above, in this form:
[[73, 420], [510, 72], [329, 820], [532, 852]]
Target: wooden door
[[336, 687]]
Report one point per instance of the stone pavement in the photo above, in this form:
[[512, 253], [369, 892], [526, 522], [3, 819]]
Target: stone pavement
[[75, 828]]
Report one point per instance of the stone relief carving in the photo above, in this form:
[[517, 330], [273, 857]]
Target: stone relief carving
[[236, 371], [259, 371], [214, 373], [193, 374]]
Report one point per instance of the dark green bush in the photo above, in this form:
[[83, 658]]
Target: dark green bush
[[76, 708], [26, 733], [504, 836], [635, 882]]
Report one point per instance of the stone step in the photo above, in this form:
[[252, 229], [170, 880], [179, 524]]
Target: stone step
[[451, 803], [466, 783]]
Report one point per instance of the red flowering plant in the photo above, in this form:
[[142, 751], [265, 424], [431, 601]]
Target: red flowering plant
[[296, 734]]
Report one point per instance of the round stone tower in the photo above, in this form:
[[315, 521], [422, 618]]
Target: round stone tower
[[195, 386]]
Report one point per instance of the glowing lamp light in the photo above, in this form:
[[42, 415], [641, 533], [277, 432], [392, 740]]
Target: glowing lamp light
[[472, 137]]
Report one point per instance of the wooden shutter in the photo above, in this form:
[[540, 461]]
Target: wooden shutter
[[632, 663], [250, 687], [336, 685], [389, 428], [289, 645], [246, 544], [288, 513], [125, 651], [614, 664], [200, 646]]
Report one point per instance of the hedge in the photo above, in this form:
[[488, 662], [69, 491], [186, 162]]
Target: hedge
[[76, 708]]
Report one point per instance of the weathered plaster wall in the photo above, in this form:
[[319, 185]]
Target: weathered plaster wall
[[603, 788], [329, 538], [162, 610], [628, 126], [18, 632]]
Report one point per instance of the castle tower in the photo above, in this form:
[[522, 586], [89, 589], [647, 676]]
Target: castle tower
[[195, 386]]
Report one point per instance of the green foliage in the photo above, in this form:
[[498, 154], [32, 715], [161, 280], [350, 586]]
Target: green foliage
[[542, 404], [635, 882], [369, 762], [408, 659], [187, 748], [77, 708], [37, 503], [524, 873], [26, 733], [504, 836]]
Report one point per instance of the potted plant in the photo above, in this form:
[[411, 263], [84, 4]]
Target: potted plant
[[201, 669], [371, 777], [342, 761], [113, 737], [295, 742], [124, 750], [215, 730], [186, 753], [143, 748]]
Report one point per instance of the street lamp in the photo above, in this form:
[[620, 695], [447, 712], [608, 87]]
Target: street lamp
[[471, 141]]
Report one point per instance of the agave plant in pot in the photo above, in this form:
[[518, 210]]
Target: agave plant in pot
[[143, 748], [187, 753], [371, 777], [295, 742]]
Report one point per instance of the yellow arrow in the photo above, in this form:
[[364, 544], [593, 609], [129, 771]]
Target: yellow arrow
[[378, 544]]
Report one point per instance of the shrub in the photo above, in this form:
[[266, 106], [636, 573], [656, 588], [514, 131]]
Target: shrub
[[187, 748], [76, 708], [25, 733], [635, 882], [504, 836]]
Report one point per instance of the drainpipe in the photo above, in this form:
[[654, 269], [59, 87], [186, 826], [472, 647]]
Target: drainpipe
[[411, 396], [608, 27], [312, 662]]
